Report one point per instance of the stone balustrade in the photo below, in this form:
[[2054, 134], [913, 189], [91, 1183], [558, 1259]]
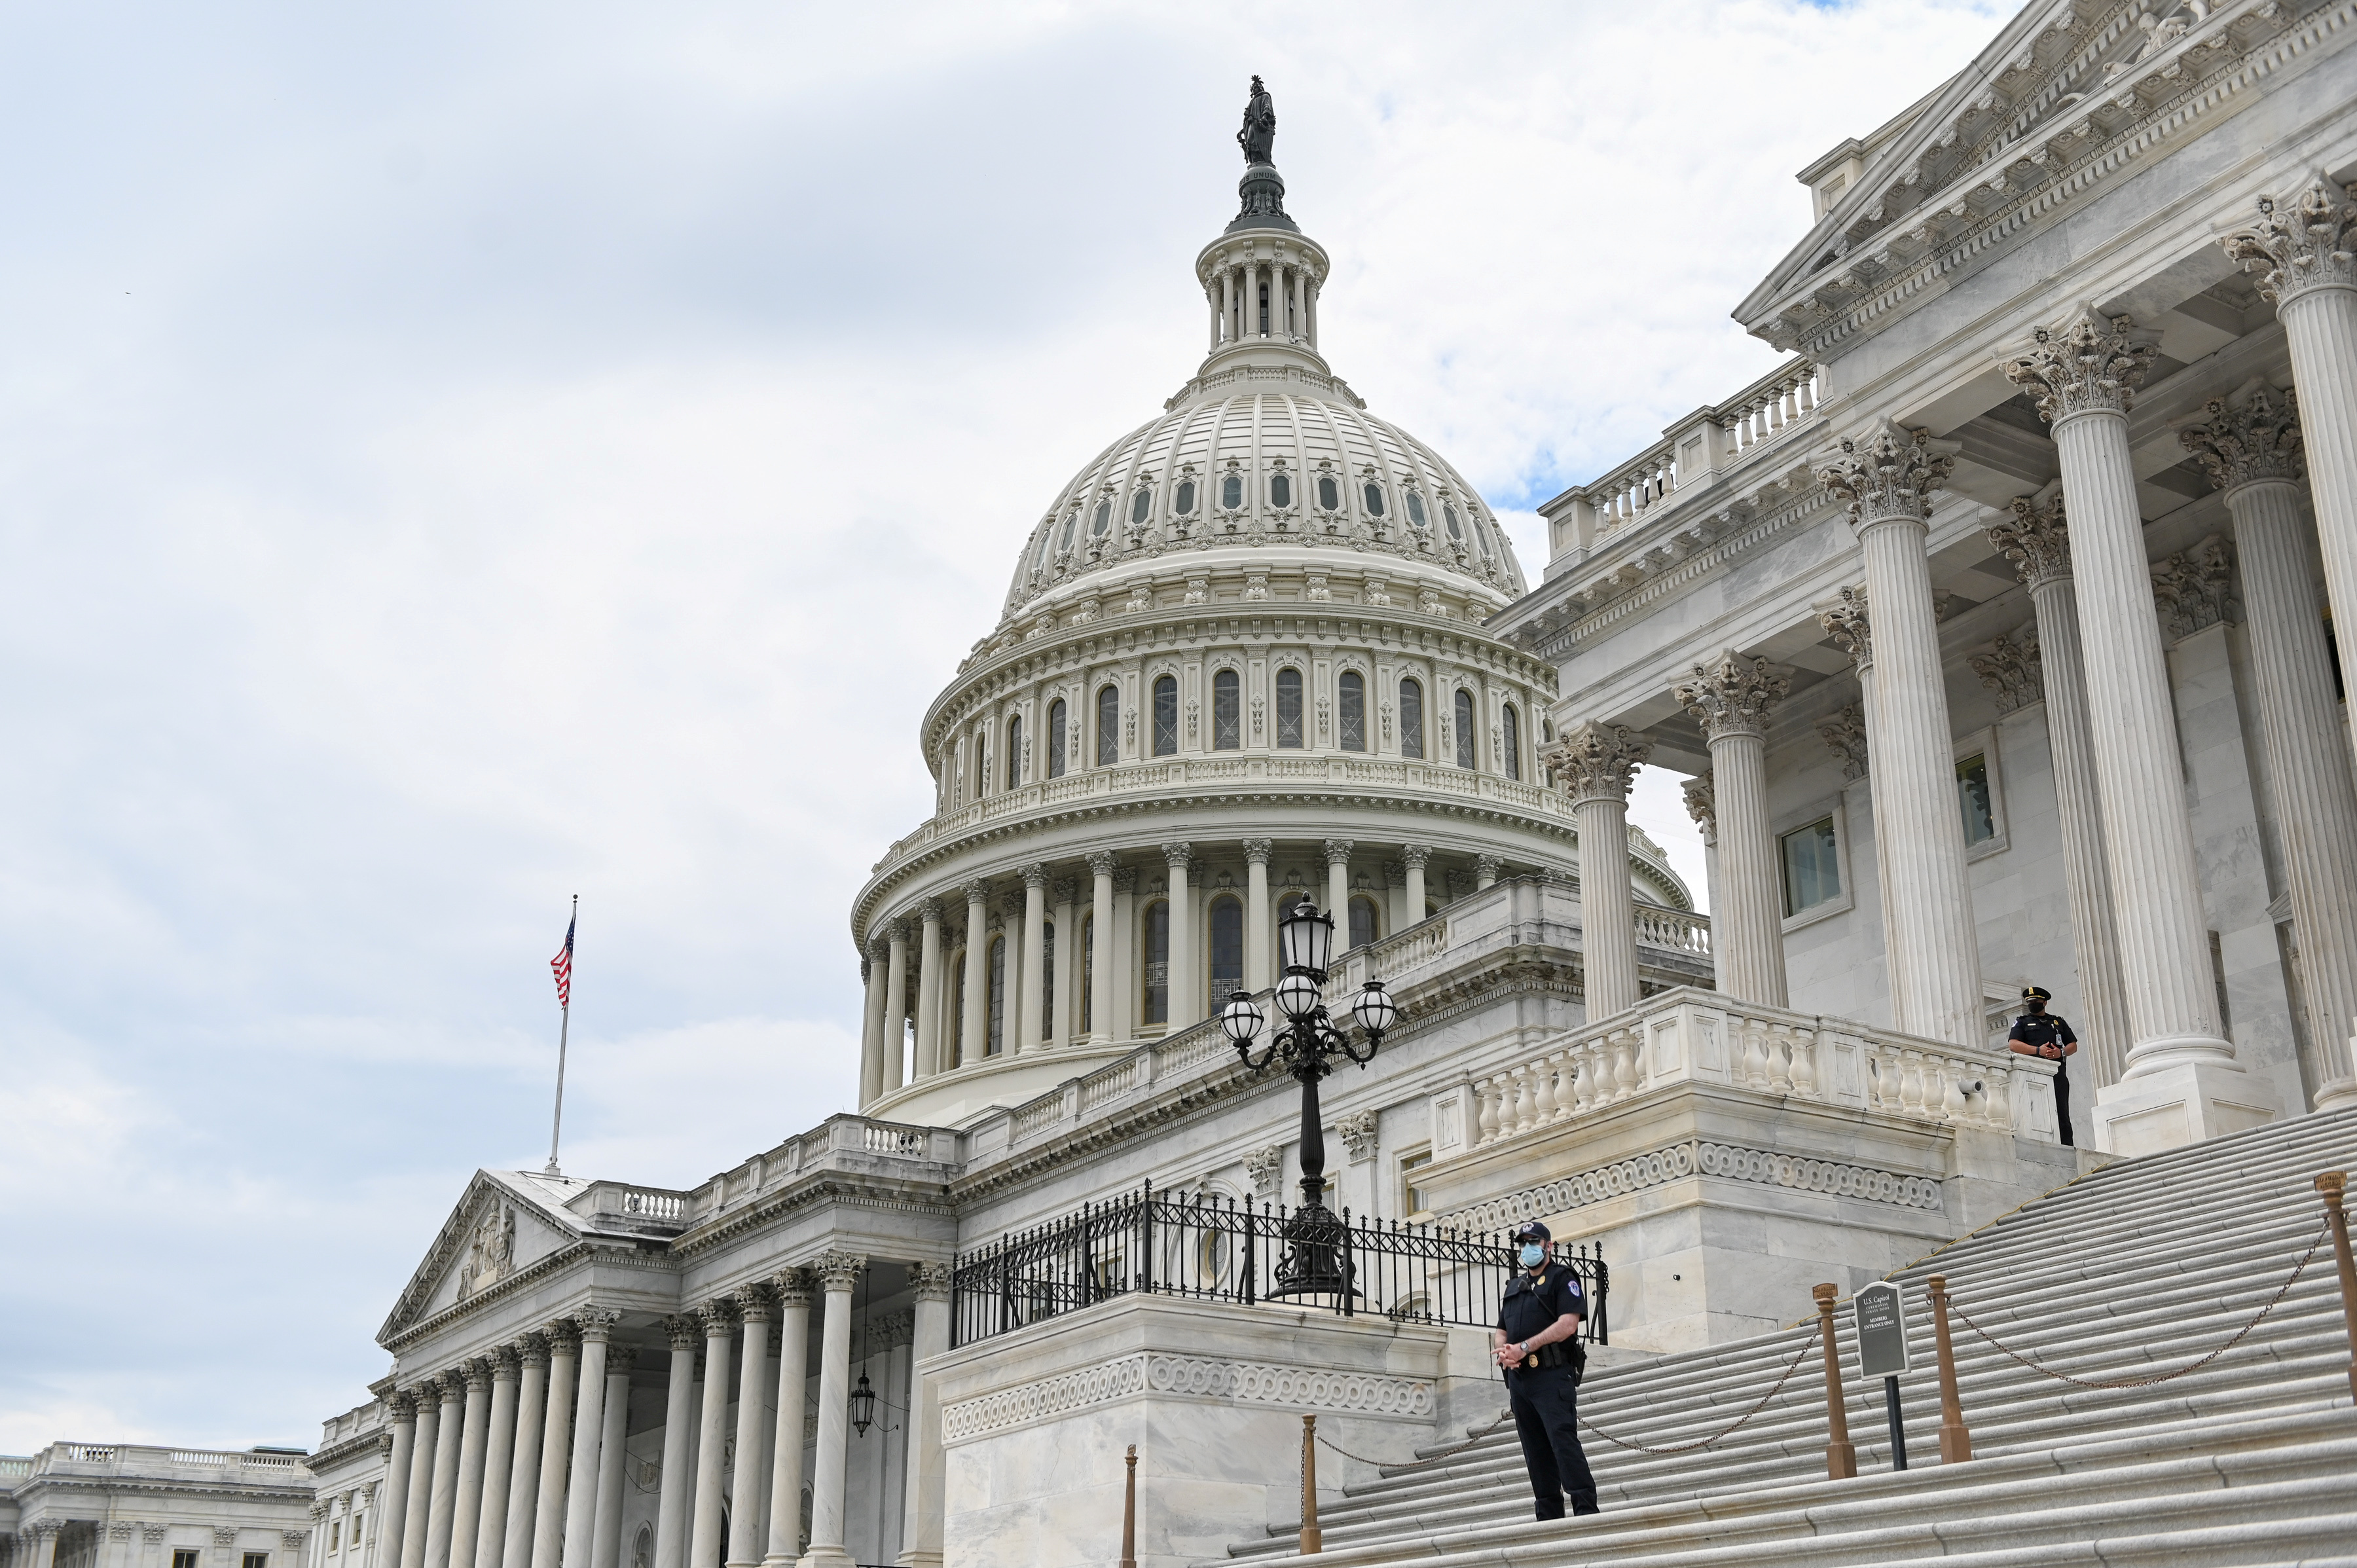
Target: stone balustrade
[[65, 1459]]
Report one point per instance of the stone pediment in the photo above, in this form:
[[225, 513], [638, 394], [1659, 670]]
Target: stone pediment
[[2073, 96], [506, 1222]]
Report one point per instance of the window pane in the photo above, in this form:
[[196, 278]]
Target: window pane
[[1972, 795], [1416, 508], [1139, 505], [1056, 727], [1108, 725], [1280, 491], [1104, 519], [1464, 706], [1354, 704], [1231, 492], [1329, 496], [1411, 718], [1411, 1194], [1069, 523], [997, 1040], [1157, 962], [1514, 727], [1046, 1003], [1363, 921], [1456, 529], [1288, 708], [1088, 972], [1227, 712], [1375, 498], [1811, 874], [1013, 751], [1166, 717], [1186, 500], [1227, 950]]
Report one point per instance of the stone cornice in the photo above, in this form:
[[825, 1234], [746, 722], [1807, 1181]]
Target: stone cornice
[[1163, 1376], [1684, 1158]]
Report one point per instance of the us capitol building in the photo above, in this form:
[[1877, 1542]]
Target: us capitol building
[[1993, 631]]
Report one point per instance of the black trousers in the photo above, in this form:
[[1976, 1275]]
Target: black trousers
[[2063, 1107], [1544, 1401]]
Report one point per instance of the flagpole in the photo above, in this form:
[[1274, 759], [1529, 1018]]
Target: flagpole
[[563, 1036]]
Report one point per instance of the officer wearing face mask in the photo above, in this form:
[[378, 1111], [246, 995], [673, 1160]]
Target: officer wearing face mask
[[1537, 1343]]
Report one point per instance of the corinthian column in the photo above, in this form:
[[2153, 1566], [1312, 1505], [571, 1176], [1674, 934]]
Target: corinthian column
[[746, 1537], [449, 1439], [606, 1546], [523, 1472], [929, 989], [2037, 539], [1337, 891], [1846, 622], [467, 1515], [557, 1434], [499, 1461], [401, 1410], [1035, 956], [1100, 971], [2253, 454], [837, 1273], [1730, 698], [871, 1033], [895, 1003], [921, 1525], [1184, 1009], [1594, 763], [705, 1545], [428, 1395], [2182, 1083], [675, 1501], [1888, 481], [974, 1035], [1701, 805], [2306, 255], [792, 1286], [589, 1423]]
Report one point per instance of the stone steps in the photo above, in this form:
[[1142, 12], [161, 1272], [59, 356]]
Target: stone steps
[[2140, 1267]]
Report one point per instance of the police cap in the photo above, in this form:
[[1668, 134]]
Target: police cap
[[2036, 993], [1532, 1230]]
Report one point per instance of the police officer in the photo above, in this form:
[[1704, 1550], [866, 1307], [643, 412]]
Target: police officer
[[2037, 1033], [1537, 1344]]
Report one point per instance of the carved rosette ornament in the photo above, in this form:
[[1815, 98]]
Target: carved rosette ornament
[[2313, 245], [837, 1271], [1596, 762], [2243, 445], [1731, 695], [1845, 623], [2036, 541], [931, 1282], [2094, 366], [1889, 477]]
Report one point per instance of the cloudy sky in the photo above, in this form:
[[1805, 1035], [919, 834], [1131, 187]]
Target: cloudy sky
[[457, 456]]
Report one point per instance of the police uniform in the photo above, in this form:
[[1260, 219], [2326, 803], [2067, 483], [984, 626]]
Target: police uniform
[[1544, 1397], [2046, 1029]]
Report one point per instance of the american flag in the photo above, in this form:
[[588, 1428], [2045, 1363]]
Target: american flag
[[563, 964]]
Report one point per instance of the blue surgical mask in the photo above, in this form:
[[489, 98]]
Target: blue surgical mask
[[1533, 1254]]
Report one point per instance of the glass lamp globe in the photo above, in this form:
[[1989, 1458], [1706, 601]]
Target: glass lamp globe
[[1297, 995], [863, 1405], [1240, 1020], [1305, 937], [1374, 1009]]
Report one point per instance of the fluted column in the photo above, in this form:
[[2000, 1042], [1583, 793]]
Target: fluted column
[[499, 1461], [1414, 856], [606, 1547], [1889, 480], [44, 1542], [1338, 890], [837, 1273], [746, 1539], [1100, 969], [896, 1003], [1701, 805], [674, 1502], [1184, 1007], [467, 1514], [705, 1545], [794, 1290], [401, 1410], [1259, 953], [449, 1434], [921, 1526], [2304, 251], [2084, 379], [1847, 624], [929, 990], [2253, 453], [596, 1324], [1594, 763], [1026, 1036], [973, 1031], [555, 1442], [1485, 871], [2037, 539], [872, 973], [1063, 1007], [1730, 698], [523, 1466]]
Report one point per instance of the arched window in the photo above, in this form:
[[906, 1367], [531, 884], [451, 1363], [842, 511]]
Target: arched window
[[1351, 699], [1362, 920], [1465, 752], [1065, 543], [1416, 508], [1482, 538], [1375, 498], [1280, 490], [995, 1041], [1288, 709], [957, 778], [1166, 715], [981, 766], [1231, 491], [1056, 738], [1328, 495], [1046, 540], [1411, 715], [1108, 725], [1087, 972], [1227, 712], [1104, 519], [1014, 751], [1227, 950], [1139, 505], [1513, 728], [1448, 514], [1047, 980], [949, 1020], [1157, 989], [1184, 502]]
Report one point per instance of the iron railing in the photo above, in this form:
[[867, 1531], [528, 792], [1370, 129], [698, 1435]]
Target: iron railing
[[1207, 1248]]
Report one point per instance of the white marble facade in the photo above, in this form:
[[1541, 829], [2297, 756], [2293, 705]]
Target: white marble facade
[[138, 1505]]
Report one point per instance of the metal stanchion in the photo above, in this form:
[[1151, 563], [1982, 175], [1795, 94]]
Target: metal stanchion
[[1841, 1458], [2332, 1185], [1311, 1540], [1129, 1514], [1956, 1442]]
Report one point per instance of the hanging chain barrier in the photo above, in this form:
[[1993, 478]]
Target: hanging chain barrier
[[1807, 1343], [2114, 1383], [1435, 1457]]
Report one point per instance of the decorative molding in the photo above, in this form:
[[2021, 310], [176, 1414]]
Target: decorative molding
[[1701, 805], [931, 1282], [837, 1271], [1891, 476], [1265, 1168], [1732, 695], [1847, 626], [1693, 1157], [2194, 588], [1596, 762], [1844, 735], [1338, 853], [890, 1330], [2312, 246], [2037, 539], [2011, 670], [2092, 366], [1152, 1374], [1358, 1133]]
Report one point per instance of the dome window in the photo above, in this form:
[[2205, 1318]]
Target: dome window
[[1482, 538], [1353, 691], [1456, 529], [1104, 519], [1463, 703], [1185, 503], [1514, 741], [1064, 545], [1047, 540], [1411, 712], [1288, 709], [1108, 725], [1231, 491], [1375, 498], [1329, 495], [1416, 508], [1139, 505], [1280, 490], [1166, 717]]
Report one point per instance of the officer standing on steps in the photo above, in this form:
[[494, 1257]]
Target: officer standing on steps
[[2039, 1033], [1538, 1345]]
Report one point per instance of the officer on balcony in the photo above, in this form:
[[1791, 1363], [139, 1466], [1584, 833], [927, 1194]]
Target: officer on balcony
[[2037, 1033], [1538, 1345]]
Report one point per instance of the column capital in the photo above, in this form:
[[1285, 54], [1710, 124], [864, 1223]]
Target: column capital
[[683, 1330], [1596, 762], [929, 911], [1178, 852], [756, 1304], [976, 892], [563, 1337], [1845, 736], [930, 1281], [1416, 855], [475, 1373], [2037, 539], [1845, 621], [400, 1406], [154, 1534], [1337, 852], [531, 1351], [837, 1271], [2194, 587], [2092, 366], [2011, 670], [2308, 246], [1064, 890], [292, 1540], [50, 1527], [1125, 879], [1395, 873], [621, 1358], [1891, 475], [792, 1286], [893, 930], [505, 1366], [879, 951], [1258, 851], [1034, 875], [596, 1323], [2244, 445], [1490, 866], [1701, 805], [1101, 862], [225, 1535], [1731, 695], [719, 1315]]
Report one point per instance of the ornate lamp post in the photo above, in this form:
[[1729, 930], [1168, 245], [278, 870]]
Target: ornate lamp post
[[1312, 1262]]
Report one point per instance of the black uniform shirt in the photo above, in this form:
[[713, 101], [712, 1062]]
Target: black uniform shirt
[[1531, 1306], [2044, 1029]]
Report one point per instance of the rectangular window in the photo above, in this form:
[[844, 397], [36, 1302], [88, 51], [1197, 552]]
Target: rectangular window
[[1108, 725], [1157, 962], [182, 1557], [1047, 980], [359, 1532], [1165, 717], [996, 1040], [1088, 972], [1288, 709], [1811, 874], [257, 1560], [1227, 712], [1354, 704], [1411, 1197], [1227, 951], [335, 1535], [1411, 712], [1973, 798]]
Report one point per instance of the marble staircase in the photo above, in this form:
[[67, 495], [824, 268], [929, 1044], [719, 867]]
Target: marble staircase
[[2141, 1267]]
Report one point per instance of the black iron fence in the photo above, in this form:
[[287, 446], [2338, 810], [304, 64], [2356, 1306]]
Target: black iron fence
[[1203, 1247]]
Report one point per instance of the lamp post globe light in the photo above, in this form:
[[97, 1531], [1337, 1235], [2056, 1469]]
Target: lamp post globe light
[[1305, 1046]]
